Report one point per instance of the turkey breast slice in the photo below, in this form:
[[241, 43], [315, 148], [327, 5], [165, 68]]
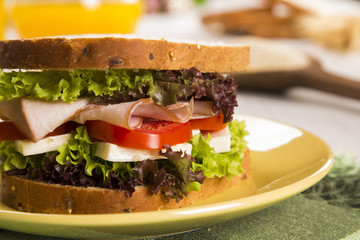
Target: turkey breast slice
[[130, 114], [35, 118]]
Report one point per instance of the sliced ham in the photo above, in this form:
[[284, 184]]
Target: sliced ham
[[130, 114], [36, 118]]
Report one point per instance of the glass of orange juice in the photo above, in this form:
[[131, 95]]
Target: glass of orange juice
[[39, 18], [2, 20]]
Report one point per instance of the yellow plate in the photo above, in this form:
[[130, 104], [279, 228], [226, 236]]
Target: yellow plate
[[286, 161]]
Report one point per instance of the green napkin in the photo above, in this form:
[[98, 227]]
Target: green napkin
[[296, 218], [328, 210]]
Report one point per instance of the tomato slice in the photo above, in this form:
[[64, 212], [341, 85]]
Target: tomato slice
[[151, 135], [62, 129], [211, 123], [8, 131]]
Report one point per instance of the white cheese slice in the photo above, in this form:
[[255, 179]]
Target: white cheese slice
[[114, 153], [27, 147], [220, 140], [195, 131]]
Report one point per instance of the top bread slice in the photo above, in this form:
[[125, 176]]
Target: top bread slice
[[82, 52]]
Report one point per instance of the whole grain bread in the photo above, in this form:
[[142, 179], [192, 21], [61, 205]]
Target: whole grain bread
[[104, 52], [35, 196]]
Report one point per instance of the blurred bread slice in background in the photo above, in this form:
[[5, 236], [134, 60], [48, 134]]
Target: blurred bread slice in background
[[336, 32], [332, 23], [265, 20]]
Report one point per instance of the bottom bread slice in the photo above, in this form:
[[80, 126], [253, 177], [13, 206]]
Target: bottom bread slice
[[34, 196]]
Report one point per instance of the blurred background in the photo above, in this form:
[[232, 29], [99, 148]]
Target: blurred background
[[305, 54]]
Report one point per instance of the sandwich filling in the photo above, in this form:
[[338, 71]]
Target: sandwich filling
[[120, 129]]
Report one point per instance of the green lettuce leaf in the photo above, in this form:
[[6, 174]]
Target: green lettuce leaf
[[68, 86], [11, 159], [186, 173], [220, 164], [47, 85], [182, 162], [80, 148], [115, 86], [166, 93]]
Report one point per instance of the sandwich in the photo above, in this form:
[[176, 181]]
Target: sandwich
[[118, 124]]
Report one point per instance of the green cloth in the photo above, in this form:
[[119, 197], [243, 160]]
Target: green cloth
[[296, 218], [328, 210]]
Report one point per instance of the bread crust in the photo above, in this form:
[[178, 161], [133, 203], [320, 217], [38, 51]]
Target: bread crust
[[34, 196], [120, 52]]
